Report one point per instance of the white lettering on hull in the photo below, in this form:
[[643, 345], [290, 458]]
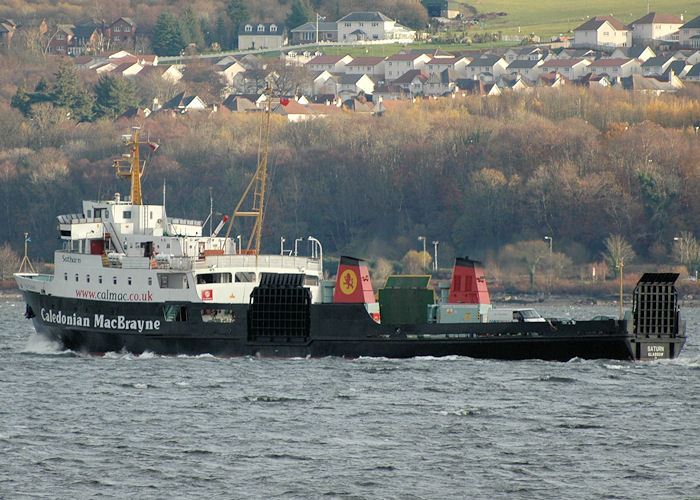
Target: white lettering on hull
[[100, 321]]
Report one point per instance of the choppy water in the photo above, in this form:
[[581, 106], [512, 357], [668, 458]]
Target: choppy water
[[160, 427]]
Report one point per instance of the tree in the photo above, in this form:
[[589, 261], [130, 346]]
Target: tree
[[191, 29], [301, 13], [415, 262], [9, 261], [687, 250], [237, 11], [114, 95], [21, 99], [618, 252], [529, 252], [68, 92], [167, 36]]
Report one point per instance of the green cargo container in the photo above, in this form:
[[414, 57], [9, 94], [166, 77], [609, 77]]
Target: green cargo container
[[405, 299]]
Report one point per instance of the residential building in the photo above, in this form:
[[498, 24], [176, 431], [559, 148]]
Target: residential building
[[7, 31], [641, 52], [333, 64], [694, 74], [690, 34], [527, 68], [308, 32], [413, 81], [182, 103], [437, 65], [570, 68], [398, 64], [371, 66], [441, 83], [352, 85], [602, 31], [656, 26], [261, 36], [656, 66], [488, 67], [615, 67], [121, 31], [372, 26]]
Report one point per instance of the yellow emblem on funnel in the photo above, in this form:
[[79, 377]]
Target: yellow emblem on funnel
[[348, 282]]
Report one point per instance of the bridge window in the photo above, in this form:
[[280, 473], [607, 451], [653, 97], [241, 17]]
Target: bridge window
[[245, 277]]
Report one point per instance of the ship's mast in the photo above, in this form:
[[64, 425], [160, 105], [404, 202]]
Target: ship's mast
[[258, 184], [136, 168]]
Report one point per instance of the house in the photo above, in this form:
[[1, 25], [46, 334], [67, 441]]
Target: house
[[436, 65], [615, 67], [353, 84], [168, 73], [388, 104], [325, 109], [689, 56], [86, 37], [477, 87], [441, 83], [371, 66], [325, 82], [239, 104], [182, 103], [293, 111], [593, 80], [121, 31], [391, 92], [649, 85], [690, 34], [230, 72], [398, 64], [7, 31], [657, 65], [372, 26], [261, 36], [641, 52], [589, 54], [333, 64], [62, 38], [514, 83], [570, 68], [487, 67], [693, 75], [656, 26], [525, 54], [527, 68], [552, 80], [126, 69], [678, 68], [602, 31], [413, 81], [315, 32]]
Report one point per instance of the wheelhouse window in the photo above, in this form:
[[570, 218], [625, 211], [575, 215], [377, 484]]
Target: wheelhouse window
[[245, 277], [214, 278]]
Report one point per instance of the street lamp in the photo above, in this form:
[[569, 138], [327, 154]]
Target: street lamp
[[435, 264], [550, 244], [422, 238]]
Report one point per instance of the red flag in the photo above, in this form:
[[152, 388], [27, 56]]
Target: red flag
[[284, 101], [154, 145]]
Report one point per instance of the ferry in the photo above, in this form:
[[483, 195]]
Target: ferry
[[129, 278]]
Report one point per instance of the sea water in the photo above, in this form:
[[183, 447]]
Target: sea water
[[120, 426]]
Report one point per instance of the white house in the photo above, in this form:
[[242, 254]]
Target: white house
[[414, 81], [602, 31], [487, 67], [569, 68], [372, 26], [334, 64], [351, 85], [656, 26], [639, 52], [690, 34], [656, 66], [437, 65], [398, 64], [261, 36], [527, 68], [372, 66], [615, 67]]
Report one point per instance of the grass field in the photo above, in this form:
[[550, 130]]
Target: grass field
[[550, 17]]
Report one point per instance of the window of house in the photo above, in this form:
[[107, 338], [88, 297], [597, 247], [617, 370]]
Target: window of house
[[116, 38], [127, 29], [347, 25], [273, 27], [117, 29], [261, 27]]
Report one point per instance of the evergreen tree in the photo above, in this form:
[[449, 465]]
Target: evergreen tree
[[191, 29], [114, 95], [237, 10], [300, 14], [167, 36], [21, 100], [69, 93]]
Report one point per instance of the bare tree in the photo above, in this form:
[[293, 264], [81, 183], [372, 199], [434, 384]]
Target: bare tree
[[618, 252]]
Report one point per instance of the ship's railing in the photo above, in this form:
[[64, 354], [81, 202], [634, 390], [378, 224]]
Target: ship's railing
[[288, 262], [185, 222], [76, 219]]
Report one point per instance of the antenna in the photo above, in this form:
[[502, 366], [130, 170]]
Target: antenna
[[26, 264]]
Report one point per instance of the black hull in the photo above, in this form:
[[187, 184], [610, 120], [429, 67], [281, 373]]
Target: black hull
[[344, 330]]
